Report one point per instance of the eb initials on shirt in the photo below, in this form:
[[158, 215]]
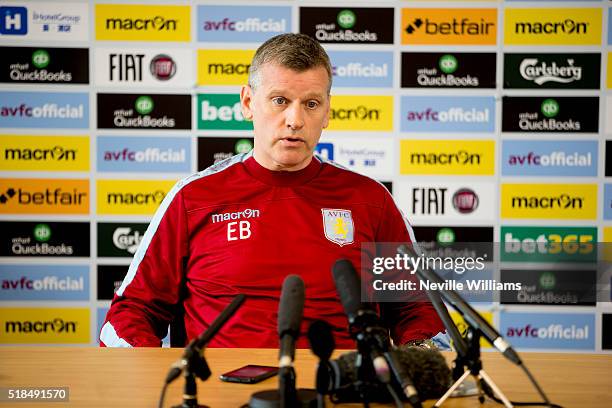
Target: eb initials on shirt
[[238, 230]]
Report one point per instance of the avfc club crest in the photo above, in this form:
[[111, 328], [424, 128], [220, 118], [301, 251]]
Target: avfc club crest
[[338, 226]]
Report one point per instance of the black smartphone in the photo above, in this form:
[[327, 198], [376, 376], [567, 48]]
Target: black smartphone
[[249, 374]]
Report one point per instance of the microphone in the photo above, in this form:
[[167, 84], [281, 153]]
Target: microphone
[[195, 346], [290, 311], [367, 329], [322, 345], [469, 313], [432, 376]]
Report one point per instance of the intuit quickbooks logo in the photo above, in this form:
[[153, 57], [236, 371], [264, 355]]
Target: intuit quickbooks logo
[[443, 70], [449, 26], [44, 282], [548, 158], [28, 65], [242, 23], [44, 110], [448, 114], [27, 238], [549, 330], [550, 114], [137, 154], [221, 112], [152, 111]]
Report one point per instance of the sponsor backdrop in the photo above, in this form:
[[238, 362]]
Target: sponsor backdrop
[[488, 121]]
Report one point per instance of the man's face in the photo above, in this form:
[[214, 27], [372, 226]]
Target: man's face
[[289, 110]]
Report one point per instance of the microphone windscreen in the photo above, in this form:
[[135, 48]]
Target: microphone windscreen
[[427, 369], [291, 306], [347, 285], [321, 339]]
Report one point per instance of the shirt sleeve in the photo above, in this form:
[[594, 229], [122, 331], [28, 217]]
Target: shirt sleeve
[[413, 320], [148, 298]]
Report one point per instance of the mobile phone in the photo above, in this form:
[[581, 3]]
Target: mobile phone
[[249, 374]]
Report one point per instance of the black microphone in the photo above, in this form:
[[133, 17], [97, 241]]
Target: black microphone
[[368, 330], [432, 376], [290, 310], [467, 311], [196, 345], [322, 344]]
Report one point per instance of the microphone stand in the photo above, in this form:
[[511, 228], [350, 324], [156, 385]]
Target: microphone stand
[[195, 365], [468, 348]]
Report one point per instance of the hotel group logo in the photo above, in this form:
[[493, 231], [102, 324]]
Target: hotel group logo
[[44, 238], [44, 65], [449, 157], [372, 157], [548, 244], [361, 112], [552, 26], [121, 22], [448, 70], [144, 111], [237, 24], [212, 150], [44, 196], [221, 112], [550, 114], [456, 26], [131, 197], [44, 325], [224, 67], [354, 25], [549, 201], [559, 71], [44, 153], [160, 67]]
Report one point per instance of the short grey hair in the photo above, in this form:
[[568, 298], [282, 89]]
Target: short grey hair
[[297, 52]]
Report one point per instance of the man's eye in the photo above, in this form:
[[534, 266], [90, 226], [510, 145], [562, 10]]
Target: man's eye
[[279, 100], [312, 104]]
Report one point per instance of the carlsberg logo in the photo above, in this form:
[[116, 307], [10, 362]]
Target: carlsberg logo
[[540, 72]]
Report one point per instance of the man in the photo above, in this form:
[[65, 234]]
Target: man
[[244, 224]]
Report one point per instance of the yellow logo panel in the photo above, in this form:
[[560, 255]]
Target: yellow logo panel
[[46, 153], [364, 112], [42, 325], [44, 196], [551, 201], [139, 22], [548, 26], [462, 326], [462, 157], [131, 197], [454, 26], [224, 67], [607, 246]]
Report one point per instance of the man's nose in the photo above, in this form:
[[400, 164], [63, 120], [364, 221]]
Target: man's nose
[[294, 116]]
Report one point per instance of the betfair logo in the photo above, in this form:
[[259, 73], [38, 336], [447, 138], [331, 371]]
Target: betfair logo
[[552, 201], [361, 113], [142, 22], [131, 197], [447, 157], [449, 26], [570, 26], [28, 196]]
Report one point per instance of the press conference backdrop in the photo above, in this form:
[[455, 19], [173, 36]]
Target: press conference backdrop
[[487, 120]]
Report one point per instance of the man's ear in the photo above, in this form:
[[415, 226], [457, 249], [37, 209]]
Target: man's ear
[[246, 99]]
